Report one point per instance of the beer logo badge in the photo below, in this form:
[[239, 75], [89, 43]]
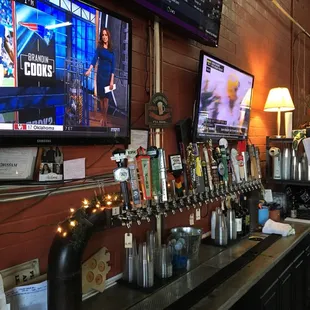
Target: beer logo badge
[[159, 113]]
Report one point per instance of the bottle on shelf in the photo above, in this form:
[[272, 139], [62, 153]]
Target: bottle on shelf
[[246, 215], [294, 209], [239, 220]]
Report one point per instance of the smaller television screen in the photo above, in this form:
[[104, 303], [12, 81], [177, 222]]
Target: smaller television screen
[[200, 18], [223, 101]]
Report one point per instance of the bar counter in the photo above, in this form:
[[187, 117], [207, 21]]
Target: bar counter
[[211, 260]]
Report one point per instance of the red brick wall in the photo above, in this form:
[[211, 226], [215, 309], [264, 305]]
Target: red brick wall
[[254, 37]]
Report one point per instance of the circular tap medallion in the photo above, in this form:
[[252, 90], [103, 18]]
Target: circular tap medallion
[[121, 174]]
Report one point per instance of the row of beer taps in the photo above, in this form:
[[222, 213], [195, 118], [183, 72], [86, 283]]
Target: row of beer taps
[[201, 174]]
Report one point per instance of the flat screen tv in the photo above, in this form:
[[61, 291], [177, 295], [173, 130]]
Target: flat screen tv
[[65, 73], [200, 18], [223, 102]]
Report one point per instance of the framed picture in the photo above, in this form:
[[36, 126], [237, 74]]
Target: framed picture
[[51, 164]]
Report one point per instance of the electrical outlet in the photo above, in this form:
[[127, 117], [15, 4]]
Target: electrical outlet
[[20, 274]]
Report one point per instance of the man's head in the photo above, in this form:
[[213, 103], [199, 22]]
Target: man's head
[[233, 85]]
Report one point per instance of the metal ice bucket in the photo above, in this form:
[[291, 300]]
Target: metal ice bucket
[[185, 242]]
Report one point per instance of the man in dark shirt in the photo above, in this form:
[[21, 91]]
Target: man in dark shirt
[[50, 155]]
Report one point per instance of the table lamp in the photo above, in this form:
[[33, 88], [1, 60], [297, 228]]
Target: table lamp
[[279, 100]]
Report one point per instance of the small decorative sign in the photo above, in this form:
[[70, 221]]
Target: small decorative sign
[[158, 112], [175, 163]]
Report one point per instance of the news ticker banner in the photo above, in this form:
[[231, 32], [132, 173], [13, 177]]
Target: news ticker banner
[[31, 127]]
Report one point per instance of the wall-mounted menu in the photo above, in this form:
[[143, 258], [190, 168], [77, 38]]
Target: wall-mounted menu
[[201, 18]]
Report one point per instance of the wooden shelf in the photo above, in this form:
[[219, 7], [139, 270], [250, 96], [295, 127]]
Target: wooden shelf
[[280, 140], [288, 182]]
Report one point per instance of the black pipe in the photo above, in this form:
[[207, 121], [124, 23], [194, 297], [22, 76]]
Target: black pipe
[[64, 274]]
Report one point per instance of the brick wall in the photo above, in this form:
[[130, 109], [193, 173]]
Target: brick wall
[[254, 37]]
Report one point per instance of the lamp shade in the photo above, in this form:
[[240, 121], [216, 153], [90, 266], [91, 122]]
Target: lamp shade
[[279, 99]]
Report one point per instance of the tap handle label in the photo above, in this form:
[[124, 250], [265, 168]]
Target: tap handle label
[[135, 191], [209, 173], [144, 168]]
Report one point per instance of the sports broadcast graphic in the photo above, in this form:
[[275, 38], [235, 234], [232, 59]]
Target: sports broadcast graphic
[[35, 42], [225, 99], [63, 67]]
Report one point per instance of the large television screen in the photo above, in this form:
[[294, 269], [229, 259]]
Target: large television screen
[[200, 18], [65, 73], [223, 101]]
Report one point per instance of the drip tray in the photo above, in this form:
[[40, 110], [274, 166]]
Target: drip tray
[[206, 287]]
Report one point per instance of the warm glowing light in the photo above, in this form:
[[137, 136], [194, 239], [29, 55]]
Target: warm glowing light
[[168, 184], [64, 234], [98, 205], [85, 201], [102, 209], [279, 99], [72, 210], [73, 223], [115, 198], [59, 229], [109, 203], [94, 210], [109, 197]]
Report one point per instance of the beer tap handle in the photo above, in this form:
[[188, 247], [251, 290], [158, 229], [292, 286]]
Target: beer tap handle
[[185, 167], [200, 182], [205, 175], [223, 144], [231, 180], [134, 182], [208, 167], [144, 168], [163, 174], [243, 152], [254, 172], [173, 196], [214, 169], [257, 153], [176, 168], [152, 151], [121, 175], [192, 167]]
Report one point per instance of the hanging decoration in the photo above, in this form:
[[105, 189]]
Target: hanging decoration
[[77, 219]]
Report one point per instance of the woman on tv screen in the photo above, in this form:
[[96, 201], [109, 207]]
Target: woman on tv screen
[[105, 74]]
